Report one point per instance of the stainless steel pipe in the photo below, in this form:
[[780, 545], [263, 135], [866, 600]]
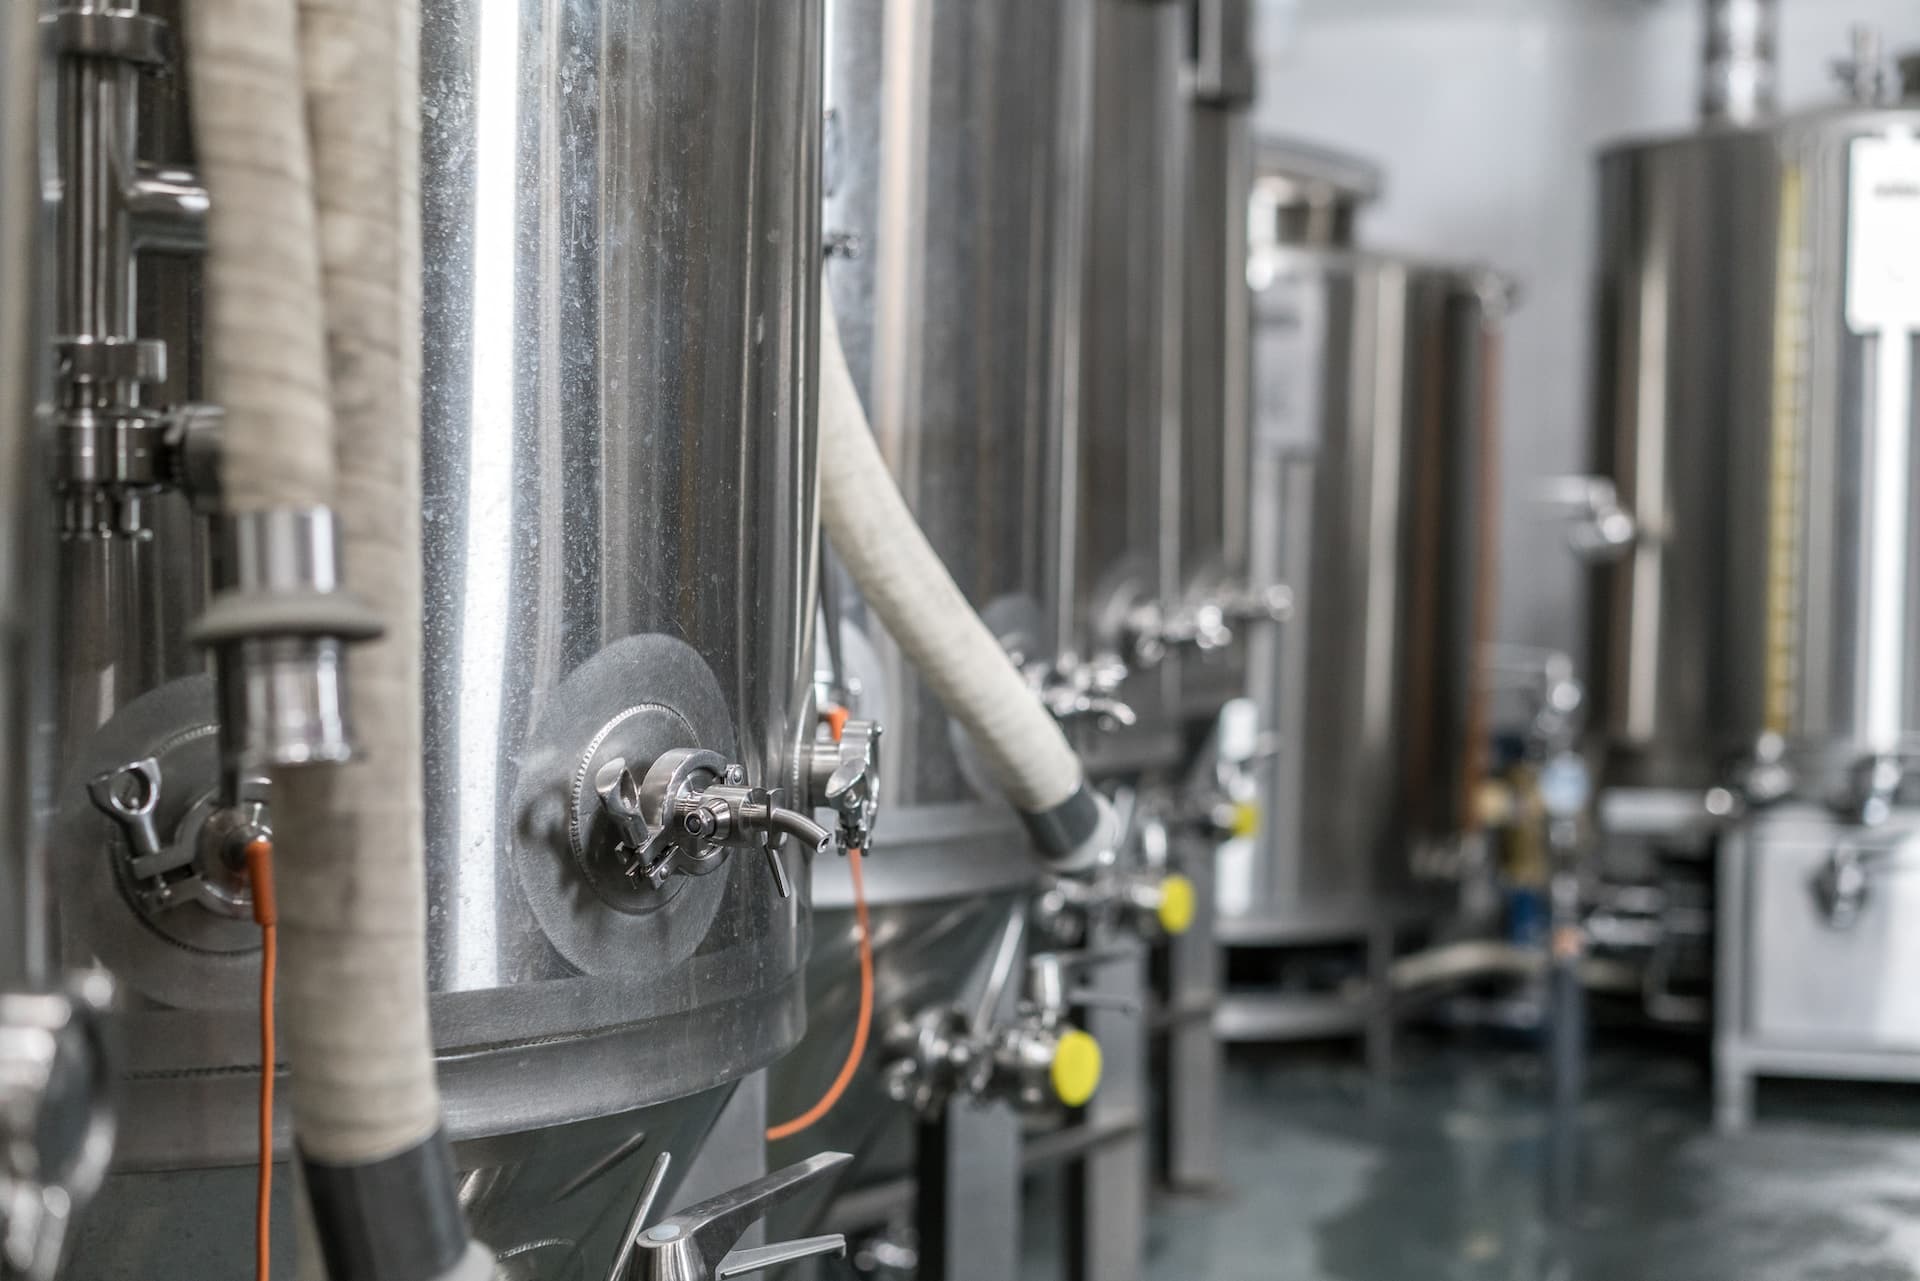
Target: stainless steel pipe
[[1737, 84], [25, 542]]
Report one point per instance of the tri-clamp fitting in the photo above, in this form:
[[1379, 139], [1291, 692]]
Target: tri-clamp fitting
[[843, 775], [701, 1242], [1147, 903], [1075, 689], [1036, 1059], [1150, 632], [203, 861], [690, 810], [115, 447]]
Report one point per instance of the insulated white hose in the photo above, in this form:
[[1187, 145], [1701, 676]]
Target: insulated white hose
[[909, 589], [266, 357], [351, 853]]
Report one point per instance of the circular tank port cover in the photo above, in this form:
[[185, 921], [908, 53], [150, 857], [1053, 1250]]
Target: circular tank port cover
[[637, 698]]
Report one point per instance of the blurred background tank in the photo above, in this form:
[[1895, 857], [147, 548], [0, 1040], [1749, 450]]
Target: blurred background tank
[[1755, 648], [1373, 438], [621, 231], [950, 165], [1753, 410], [1123, 445]]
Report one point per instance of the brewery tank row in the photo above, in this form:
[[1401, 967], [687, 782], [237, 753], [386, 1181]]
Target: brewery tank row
[[766, 613]]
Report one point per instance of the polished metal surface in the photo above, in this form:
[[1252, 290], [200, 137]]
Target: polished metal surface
[[1124, 446], [26, 542], [550, 1202], [1754, 410], [947, 136], [1216, 379], [1373, 386], [950, 140], [621, 240], [1308, 195], [1737, 61], [927, 954]]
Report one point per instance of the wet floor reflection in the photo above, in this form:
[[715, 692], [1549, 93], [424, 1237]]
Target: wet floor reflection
[[1439, 1177]]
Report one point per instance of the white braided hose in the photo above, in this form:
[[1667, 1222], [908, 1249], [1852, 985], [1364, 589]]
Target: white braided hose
[[351, 849], [904, 582], [266, 358]]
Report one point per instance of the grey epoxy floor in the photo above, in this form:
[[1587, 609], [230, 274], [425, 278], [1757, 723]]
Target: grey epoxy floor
[[1438, 1177]]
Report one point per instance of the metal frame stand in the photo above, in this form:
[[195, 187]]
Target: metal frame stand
[[967, 1211], [1189, 1084], [1743, 1049], [1278, 1018], [1107, 1185]]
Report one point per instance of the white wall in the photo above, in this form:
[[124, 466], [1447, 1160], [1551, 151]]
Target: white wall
[[1485, 115]]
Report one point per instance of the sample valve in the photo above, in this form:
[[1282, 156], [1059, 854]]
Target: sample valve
[[1076, 689], [843, 775], [701, 1242], [1206, 625], [1036, 1059], [1148, 903], [690, 810]]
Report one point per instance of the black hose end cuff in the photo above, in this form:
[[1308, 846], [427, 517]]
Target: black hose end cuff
[[1073, 834], [395, 1219]]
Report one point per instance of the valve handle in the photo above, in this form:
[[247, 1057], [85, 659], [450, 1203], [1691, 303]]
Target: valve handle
[[697, 1244]]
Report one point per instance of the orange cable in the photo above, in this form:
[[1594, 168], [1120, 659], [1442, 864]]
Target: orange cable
[[259, 855], [858, 1049]]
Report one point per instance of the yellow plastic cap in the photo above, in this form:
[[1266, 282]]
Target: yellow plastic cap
[[1246, 821], [1076, 1067], [1176, 904]]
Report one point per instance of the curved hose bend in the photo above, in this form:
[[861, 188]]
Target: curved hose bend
[[907, 586]]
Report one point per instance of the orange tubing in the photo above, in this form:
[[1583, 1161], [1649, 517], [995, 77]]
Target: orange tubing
[[259, 855], [858, 1049]]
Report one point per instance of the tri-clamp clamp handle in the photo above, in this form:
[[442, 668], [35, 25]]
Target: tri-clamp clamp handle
[[698, 1243], [843, 775], [691, 809]]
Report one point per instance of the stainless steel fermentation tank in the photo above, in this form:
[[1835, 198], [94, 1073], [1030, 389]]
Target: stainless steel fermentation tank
[[1373, 442], [621, 243], [1123, 439], [949, 149], [1754, 408], [1755, 636]]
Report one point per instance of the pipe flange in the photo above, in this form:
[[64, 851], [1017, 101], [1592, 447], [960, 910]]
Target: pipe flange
[[183, 956], [635, 700]]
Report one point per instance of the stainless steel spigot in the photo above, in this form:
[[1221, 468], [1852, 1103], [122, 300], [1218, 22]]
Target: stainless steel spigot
[[1599, 530], [700, 1242], [1150, 904], [1035, 1058], [843, 775], [57, 1070], [690, 810], [1270, 604], [1074, 689], [1151, 633]]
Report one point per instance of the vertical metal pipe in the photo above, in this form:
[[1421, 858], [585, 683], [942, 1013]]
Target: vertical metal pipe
[[1737, 63], [24, 522]]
